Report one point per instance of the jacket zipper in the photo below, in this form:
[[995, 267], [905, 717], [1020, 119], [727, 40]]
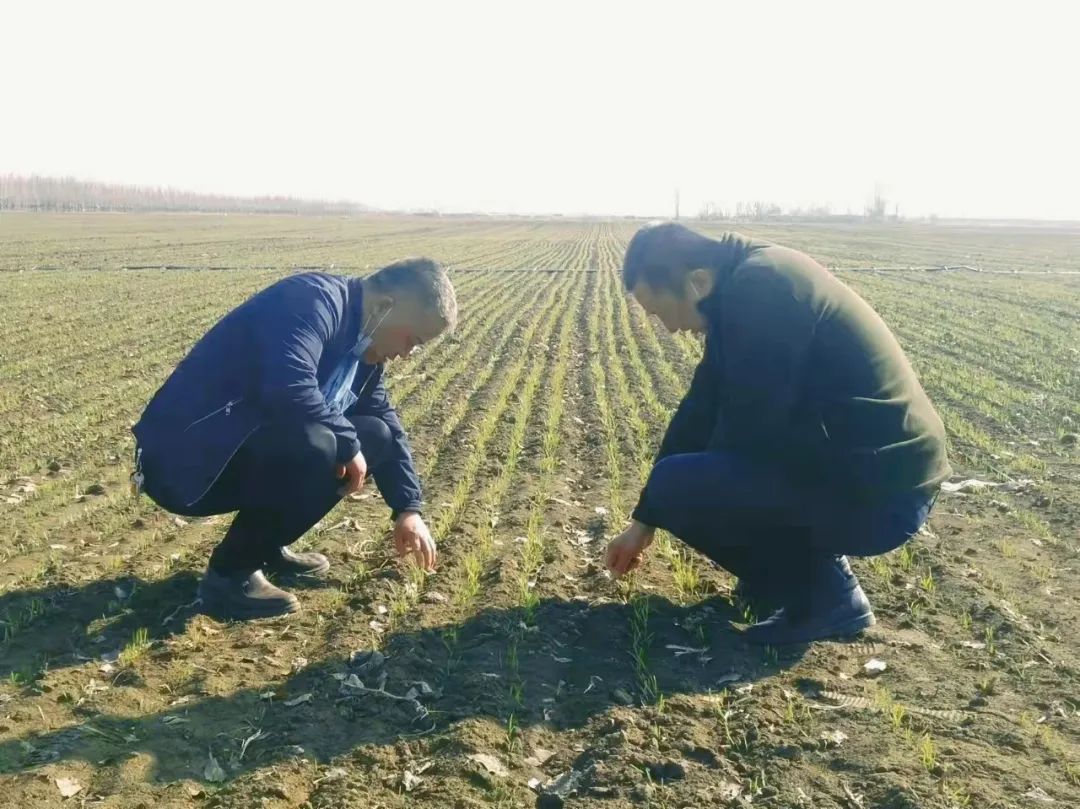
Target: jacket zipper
[[227, 407], [360, 393], [227, 460]]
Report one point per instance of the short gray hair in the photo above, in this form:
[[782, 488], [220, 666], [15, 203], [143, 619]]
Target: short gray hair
[[426, 279]]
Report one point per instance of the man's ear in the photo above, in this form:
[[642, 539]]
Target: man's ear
[[699, 284]]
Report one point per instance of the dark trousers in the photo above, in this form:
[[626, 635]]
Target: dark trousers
[[757, 523], [280, 483]]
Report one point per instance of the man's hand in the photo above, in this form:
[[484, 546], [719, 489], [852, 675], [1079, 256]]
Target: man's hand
[[412, 537], [624, 552], [354, 473]]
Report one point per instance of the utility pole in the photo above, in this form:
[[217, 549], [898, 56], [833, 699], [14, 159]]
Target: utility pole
[[676, 204]]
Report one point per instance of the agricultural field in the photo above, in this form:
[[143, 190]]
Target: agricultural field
[[520, 668]]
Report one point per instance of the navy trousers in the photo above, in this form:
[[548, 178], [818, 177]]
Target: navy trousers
[[280, 483], [763, 527]]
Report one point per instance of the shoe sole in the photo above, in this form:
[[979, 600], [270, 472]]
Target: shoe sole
[[319, 573], [848, 629], [216, 609]]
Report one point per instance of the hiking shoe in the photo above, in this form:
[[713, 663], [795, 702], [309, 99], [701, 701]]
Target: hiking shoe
[[780, 630], [243, 595], [835, 607], [309, 565]]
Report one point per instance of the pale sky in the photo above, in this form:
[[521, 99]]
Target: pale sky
[[954, 108]]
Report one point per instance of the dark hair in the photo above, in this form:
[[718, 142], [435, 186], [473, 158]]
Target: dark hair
[[662, 254], [423, 277]]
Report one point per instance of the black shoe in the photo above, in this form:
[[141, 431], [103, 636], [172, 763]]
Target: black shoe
[[309, 565], [835, 606], [243, 595]]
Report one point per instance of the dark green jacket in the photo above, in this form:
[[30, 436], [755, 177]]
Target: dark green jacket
[[800, 370]]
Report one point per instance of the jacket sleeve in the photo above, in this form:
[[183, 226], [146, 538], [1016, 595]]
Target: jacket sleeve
[[695, 425], [766, 335], [289, 338], [695, 420], [396, 476]]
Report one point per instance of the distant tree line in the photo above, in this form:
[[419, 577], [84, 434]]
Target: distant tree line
[[766, 211], [33, 193], [876, 209]]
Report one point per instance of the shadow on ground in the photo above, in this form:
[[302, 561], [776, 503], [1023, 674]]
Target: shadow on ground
[[57, 625], [573, 666]]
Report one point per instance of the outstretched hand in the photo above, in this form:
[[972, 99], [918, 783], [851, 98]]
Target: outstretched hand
[[412, 538], [624, 552]]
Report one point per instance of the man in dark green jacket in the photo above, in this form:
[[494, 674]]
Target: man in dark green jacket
[[805, 434]]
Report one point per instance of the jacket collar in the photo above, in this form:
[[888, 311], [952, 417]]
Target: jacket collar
[[356, 305], [730, 251]]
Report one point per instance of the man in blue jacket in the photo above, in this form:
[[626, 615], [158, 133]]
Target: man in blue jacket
[[279, 411], [805, 434]]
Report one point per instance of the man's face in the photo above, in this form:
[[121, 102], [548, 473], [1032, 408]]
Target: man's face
[[399, 336], [677, 312]]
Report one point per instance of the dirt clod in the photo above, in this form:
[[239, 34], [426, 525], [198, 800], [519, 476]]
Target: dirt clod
[[667, 770]]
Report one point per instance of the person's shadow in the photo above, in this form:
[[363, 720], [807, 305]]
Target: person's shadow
[[570, 663], [56, 626]]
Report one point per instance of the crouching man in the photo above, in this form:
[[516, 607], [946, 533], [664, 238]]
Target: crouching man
[[805, 434], [279, 411]]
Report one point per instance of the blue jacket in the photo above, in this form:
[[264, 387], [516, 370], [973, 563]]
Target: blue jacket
[[265, 361]]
